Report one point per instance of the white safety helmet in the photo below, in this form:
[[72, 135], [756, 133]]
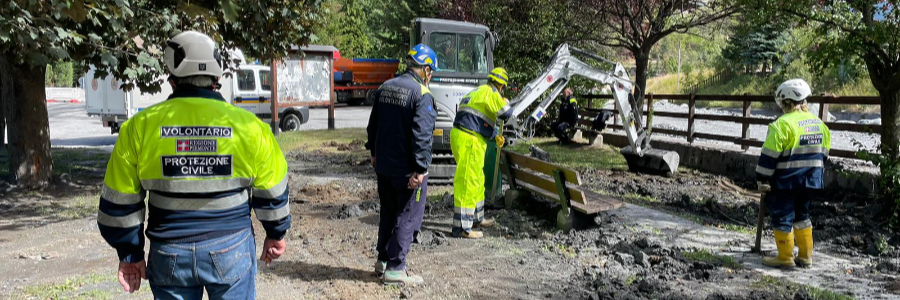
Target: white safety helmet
[[191, 53], [795, 90]]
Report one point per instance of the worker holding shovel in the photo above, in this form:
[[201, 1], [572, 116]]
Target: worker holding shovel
[[472, 129], [790, 172]]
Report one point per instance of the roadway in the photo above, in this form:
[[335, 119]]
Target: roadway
[[71, 127]]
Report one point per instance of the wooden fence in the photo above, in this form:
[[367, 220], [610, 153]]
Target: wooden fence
[[715, 79], [745, 120]]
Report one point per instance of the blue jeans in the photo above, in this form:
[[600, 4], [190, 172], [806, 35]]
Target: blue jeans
[[224, 266], [787, 207]]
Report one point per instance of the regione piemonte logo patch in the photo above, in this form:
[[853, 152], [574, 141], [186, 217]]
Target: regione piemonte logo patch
[[204, 145]]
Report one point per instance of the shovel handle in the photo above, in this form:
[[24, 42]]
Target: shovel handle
[[759, 225]]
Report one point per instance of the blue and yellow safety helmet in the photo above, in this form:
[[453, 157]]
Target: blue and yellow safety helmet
[[423, 55], [499, 76]]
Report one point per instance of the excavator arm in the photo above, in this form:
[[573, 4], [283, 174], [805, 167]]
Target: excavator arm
[[556, 76]]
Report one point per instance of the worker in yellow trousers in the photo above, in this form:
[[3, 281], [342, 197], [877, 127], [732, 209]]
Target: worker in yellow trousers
[[472, 129]]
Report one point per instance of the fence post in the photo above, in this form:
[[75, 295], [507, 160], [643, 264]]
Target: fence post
[[745, 124], [649, 113], [616, 116], [691, 104], [823, 110]]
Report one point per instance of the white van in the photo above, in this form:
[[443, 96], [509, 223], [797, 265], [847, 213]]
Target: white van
[[249, 88]]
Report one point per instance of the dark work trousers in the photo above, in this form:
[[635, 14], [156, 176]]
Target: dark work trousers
[[402, 210], [787, 207], [559, 130]]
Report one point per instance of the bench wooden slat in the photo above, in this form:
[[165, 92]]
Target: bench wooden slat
[[542, 167], [523, 176], [597, 203]]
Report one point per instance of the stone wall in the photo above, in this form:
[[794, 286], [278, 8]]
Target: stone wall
[[844, 174]]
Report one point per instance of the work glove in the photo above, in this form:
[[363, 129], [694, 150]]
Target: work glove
[[500, 141], [763, 187]]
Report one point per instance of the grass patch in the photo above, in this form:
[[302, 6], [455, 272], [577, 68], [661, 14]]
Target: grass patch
[[632, 279], [738, 228], [786, 287], [567, 251], [575, 157], [79, 207], [74, 288], [665, 84], [709, 257], [635, 198], [315, 139]]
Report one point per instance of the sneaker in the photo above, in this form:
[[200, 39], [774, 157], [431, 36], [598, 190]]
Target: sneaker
[[402, 276], [380, 266], [485, 223]]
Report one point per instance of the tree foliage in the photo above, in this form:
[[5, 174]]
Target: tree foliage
[[126, 38], [60, 74], [755, 47]]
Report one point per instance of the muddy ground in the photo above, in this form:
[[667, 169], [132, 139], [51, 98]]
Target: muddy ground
[[50, 252]]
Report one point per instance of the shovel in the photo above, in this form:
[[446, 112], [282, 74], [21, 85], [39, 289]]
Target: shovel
[[757, 248]]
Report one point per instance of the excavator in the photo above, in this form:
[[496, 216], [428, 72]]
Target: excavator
[[465, 58], [556, 75]]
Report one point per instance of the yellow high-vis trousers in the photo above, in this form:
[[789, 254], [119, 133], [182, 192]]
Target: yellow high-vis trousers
[[468, 181]]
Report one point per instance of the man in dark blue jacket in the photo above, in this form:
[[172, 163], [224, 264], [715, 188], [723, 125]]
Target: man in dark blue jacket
[[568, 117], [400, 136]]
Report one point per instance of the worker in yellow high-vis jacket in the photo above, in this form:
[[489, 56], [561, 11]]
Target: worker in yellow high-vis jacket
[[790, 171], [472, 129], [202, 165]]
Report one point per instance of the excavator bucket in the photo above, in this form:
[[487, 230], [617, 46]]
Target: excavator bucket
[[654, 161]]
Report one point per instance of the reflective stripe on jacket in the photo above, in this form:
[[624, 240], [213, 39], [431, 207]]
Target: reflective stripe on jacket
[[478, 110], [201, 164], [794, 153]]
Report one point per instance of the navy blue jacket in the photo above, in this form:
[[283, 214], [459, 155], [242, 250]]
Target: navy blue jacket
[[401, 126], [568, 111]]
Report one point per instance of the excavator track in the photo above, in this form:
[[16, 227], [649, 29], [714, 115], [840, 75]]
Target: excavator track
[[443, 166]]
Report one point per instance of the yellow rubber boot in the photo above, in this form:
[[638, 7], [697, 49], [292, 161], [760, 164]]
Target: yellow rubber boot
[[785, 258], [805, 245]]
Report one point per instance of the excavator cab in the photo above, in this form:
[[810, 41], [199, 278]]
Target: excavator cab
[[465, 57]]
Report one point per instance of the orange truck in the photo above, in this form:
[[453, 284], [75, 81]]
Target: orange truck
[[356, 78]]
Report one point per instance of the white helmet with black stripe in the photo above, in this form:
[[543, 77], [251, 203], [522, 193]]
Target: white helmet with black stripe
[[795, 90], [192, 53]]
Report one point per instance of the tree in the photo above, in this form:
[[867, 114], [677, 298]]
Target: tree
[[122, 37], [346, 26], [637, 25], [751, 45]]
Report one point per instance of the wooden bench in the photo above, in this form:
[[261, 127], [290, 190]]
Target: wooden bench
[[554, 182]]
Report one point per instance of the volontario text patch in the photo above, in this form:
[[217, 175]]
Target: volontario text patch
[[194, 131], [209, 145], [196, 165], [811, 139]]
